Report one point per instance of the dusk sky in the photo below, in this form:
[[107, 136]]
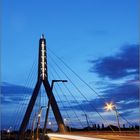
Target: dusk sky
[[98, 39]]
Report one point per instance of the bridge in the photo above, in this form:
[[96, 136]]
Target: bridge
[[59, 103]]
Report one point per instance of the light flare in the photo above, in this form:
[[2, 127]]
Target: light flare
[[109, 106]]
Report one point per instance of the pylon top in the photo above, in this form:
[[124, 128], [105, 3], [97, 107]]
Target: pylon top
[[42, 36]]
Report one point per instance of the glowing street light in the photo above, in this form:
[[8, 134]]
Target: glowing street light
[[8, 131], [110, 107], [66, 121], [49, 123]]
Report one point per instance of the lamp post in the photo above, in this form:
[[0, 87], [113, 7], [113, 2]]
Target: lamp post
[[38, 122], [87, 121], [50, 124], [9, 131], [66, 121], [110, 107], [33, 126], [48, 106], [53, 81], [117, 117]]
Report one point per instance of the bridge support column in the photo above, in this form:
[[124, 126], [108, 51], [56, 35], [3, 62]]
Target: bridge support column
[[42, 77]]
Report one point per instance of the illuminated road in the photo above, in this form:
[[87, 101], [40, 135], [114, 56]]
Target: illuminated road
[[73, 137], [91, 137]]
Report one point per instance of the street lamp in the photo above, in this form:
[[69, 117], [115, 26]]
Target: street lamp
[[53, 81], [66, 121], [87, 121], [110, 107], [9, 131], [33, 124], [50, 124], [38, 122], [48, 106]]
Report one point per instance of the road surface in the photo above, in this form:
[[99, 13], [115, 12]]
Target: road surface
[[94, 137], [73, 137]]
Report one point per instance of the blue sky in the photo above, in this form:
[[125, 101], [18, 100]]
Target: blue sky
[[92, 36]]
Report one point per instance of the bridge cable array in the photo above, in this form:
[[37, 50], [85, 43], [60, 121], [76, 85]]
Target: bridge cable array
[[100, 96], [69, 95]]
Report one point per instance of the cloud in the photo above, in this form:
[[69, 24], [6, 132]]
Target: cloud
[[11, 93], [122, 92], [124, 63], [125, 96], [126, 113]]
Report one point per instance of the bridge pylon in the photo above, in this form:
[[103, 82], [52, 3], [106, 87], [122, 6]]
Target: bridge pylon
[[42, 79]]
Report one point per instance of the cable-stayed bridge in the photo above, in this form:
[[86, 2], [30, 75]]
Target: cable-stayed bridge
[[59, 100]]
